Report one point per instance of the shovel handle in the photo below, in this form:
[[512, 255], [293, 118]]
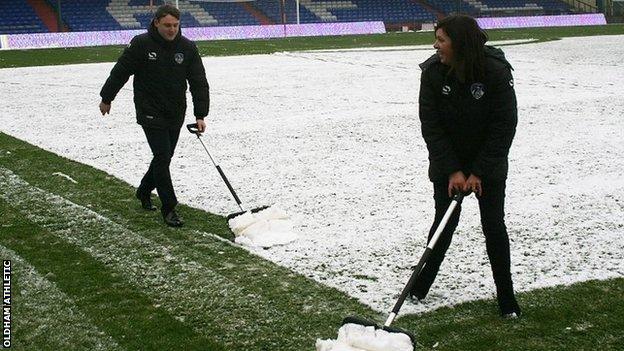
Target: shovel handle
[[457, 200], [193, 128], [229, 186]]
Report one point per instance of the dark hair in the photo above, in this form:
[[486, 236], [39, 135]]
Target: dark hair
[[166, 9], [467, 41]]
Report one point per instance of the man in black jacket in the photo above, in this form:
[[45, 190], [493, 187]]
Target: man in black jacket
[[162, 61], [468, 114]]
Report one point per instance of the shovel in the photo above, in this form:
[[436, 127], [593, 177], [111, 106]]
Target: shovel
[[193, 129], [457, 199]]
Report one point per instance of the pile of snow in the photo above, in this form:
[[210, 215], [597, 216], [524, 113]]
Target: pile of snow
[[355, 337], [269, 227]]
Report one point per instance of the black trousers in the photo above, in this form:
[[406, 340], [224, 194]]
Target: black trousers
[[162, 142], [492, 209]]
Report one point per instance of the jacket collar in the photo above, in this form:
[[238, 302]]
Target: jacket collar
[[430, 61], [490, 51], [497, 54]]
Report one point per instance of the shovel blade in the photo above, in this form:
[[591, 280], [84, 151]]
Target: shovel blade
[[369, 323], [253, 210]]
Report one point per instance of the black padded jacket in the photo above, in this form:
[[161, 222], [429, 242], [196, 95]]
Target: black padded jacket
[[468, 126], [161, 70]]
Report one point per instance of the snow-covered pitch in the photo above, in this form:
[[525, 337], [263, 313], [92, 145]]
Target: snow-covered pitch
[[333, 137]]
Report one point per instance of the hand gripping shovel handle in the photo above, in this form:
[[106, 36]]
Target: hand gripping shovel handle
[[193, 129], [457, 199]]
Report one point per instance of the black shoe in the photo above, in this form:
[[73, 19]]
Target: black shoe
[[414, 298], [509, 309], [146, 201], [172, 219], [511, 315]]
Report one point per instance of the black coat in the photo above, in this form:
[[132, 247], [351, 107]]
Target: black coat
[[468, 127], [161, 70]]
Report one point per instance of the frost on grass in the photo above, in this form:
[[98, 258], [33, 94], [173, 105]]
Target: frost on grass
[[63, 175], [43, 314], [200, 295]]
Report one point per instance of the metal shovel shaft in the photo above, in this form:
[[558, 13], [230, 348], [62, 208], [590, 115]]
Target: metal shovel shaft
[[225, 180], [457, 199]]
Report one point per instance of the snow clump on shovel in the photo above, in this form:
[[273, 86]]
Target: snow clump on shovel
[[269, 227], [355, 337]]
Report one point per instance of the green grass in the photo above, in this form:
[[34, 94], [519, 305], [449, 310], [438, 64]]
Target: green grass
[[113, 304], [221, 293], [45, 57], [584, 316], [209, 295]]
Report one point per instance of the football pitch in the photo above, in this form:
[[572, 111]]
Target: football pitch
[[90, 270]]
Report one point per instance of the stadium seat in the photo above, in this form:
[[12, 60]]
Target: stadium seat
[[99, 15], [315, 11], [487, 8], [22, 19]]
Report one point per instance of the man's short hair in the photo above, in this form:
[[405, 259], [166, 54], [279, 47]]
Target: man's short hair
[[167, 9]]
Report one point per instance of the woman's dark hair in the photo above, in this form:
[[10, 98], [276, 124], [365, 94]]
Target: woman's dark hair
[[167, 9], [467, 41]]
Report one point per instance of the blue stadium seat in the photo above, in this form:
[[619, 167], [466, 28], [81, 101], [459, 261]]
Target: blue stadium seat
[[347, 11], [99, 15], [486, 8], [21, 18], [91, 15], [135, 14]]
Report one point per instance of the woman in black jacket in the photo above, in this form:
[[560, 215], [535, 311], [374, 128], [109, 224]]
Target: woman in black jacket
[[468, 113]]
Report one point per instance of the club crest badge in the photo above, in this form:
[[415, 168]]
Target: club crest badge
[[446, 90], [179, 58], [477, 90]]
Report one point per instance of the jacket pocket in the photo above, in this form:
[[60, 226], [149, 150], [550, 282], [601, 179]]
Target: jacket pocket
[[148, 118]]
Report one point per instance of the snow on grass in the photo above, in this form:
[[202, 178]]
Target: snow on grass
[[190, 291], [419, 47], [63, 175], [43, 313], [334, 137]]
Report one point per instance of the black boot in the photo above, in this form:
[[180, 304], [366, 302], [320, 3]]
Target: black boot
[[509, 308], [146, 201], [416, 296], [172, 219]]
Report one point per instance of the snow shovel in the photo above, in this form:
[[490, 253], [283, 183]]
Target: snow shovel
[[194, 130], [457, 199]]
